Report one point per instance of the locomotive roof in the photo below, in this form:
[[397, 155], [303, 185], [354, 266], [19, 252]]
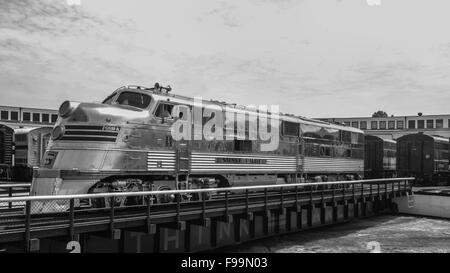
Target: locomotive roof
[[234, 107]]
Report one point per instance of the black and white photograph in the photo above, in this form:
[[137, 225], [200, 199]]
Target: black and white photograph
[[224, 134]]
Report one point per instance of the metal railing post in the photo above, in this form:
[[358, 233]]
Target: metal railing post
[[203, 208], [343, 192], [226, 203], [362, 192], [266, 201], [332, 193], [179, 207], [111, 214], [246, 202], [353, 191], [72, 218], [282, 198], [148, 212], [27, 224], [385, 190]]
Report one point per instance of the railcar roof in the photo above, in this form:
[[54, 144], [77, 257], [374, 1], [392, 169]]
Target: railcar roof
[[434, 137], [440, 138], [389, 140], [11, 126], [26, 130], [239, 108]]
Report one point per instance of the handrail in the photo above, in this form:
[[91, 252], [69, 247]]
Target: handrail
[[13, 185], [145, 193]]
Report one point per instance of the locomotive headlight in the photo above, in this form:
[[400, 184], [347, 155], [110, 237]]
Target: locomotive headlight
[[58, 132], [67, 108]]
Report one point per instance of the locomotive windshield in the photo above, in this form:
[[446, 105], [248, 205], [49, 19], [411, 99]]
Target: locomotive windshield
[[134, 99]]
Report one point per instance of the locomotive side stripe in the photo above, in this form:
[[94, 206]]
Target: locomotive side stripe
[[333, 165], [161, 161], [206, 162]]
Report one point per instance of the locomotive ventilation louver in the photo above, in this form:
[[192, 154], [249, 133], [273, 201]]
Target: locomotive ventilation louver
[[88, 133]]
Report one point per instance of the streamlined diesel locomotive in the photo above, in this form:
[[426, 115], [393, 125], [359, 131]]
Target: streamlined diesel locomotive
[[125, 144]]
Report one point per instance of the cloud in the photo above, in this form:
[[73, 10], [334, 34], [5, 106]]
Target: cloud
[[313, 58]]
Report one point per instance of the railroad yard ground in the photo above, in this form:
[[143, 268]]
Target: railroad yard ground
[[385, 234]]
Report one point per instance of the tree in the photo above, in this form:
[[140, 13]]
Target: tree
[[380, 114]]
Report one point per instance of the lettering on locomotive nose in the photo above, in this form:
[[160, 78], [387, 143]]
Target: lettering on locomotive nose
[[111, 128]]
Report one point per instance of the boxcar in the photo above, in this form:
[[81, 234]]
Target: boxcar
[[425, 157], [30, 146], [380, 157], [6, 151]]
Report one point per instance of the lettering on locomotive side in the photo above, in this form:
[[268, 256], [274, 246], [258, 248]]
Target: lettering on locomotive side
[[237, 160], [216, 123], [111, 128]]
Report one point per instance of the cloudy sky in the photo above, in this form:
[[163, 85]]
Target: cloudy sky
[[313, 58]]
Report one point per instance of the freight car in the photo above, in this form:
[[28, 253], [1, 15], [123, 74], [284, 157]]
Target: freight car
[[380, 156], [6, 152], [126, 143], [424, 157], [30, 146]]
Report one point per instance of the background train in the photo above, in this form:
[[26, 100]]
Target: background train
[[21, 150], [380, 157], [422, 156]]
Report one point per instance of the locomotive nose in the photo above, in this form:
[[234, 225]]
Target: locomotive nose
[[97, 113]]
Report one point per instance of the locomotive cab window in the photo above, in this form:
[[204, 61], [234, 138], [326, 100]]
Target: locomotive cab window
[[109, 99], [134, 99], [164, 110]]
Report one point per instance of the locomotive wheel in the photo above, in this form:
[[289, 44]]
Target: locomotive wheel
[[165, 198], [106, 202]]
